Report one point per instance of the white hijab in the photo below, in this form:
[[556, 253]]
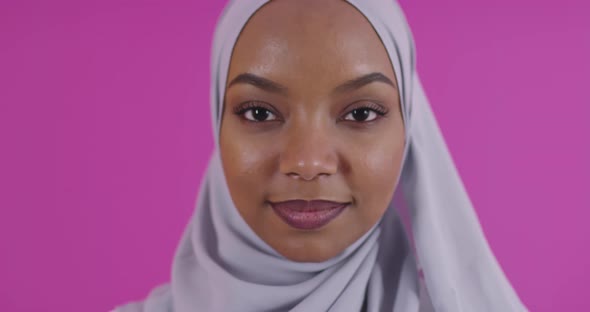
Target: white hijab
[[222, 265]]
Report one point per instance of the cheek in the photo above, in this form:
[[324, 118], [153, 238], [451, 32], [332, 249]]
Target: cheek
[[383, 162], [247, 164], [375, 175], [242, 160]]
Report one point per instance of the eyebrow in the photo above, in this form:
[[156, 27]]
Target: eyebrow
[[362, 81], [259, 82], [274, 87]]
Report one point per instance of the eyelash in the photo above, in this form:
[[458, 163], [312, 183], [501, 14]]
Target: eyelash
[[376, 108], [247, 106]]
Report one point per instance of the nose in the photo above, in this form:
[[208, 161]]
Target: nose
[[308, 153]]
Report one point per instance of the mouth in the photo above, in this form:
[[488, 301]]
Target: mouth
[[308, 215]]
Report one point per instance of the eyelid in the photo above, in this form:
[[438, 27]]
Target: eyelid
[[240, 108], [377, 108], [243, 107], [372, 105]]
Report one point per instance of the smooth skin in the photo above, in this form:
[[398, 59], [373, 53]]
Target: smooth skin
[[312, 111]]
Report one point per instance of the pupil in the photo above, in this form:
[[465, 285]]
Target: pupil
[[360, 114], [260, 114]]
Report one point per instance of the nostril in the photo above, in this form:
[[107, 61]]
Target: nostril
[[298, 176], [308, 165]]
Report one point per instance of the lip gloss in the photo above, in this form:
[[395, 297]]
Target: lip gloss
[[308, 215]]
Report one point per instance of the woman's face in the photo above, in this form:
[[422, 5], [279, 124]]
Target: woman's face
[[312, 136]]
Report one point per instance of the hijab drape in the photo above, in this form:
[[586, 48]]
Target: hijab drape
[[222, 265]]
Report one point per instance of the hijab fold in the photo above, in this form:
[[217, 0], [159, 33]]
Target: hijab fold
[[222, 265]]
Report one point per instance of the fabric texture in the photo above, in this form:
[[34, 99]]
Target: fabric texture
[[222, 265]]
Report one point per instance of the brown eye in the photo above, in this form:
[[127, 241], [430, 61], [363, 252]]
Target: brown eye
[[255, 112], [259, 114], [362, 114]]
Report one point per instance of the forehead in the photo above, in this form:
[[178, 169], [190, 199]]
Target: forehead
[[302, 40]]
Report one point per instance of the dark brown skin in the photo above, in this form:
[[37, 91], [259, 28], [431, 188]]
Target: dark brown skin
[[315, 135]]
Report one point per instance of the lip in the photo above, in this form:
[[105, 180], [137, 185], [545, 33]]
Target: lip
[[308, 215]]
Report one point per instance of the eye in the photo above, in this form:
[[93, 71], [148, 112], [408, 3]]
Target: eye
[[255, 112], [259, 114], [361, 114], [365, 113]]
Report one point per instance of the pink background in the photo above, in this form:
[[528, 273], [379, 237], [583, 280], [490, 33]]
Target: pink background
[[104, 133]]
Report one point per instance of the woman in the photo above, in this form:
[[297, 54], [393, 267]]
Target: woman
[[323, 138]]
